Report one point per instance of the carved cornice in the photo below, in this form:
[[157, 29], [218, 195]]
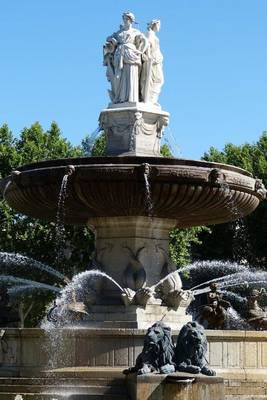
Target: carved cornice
[[192, 193]]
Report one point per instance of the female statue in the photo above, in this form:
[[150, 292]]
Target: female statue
[[122, 56], [152, 77]]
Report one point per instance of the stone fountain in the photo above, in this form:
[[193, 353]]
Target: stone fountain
[[131, 199]]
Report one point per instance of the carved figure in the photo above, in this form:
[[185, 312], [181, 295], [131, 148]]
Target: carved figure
[[216, 176], [169, 290], [215, 312], [135, 274], [256, 316], [152, 77], [191, 349], [260, 188], [157, 353], [139, 298], [122, 57], [61, 312]]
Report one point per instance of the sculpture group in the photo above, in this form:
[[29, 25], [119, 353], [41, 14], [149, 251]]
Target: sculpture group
[[134, 63], [161, 356]]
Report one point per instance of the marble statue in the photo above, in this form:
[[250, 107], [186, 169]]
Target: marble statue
[[133, 122], [123, 58], [134, 63], [152, 77]]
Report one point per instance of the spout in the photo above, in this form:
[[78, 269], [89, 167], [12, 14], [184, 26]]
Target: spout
[[69, 170], [15, 176], [146, 168]]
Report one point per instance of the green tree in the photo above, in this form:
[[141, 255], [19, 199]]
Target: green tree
[[165, 151], [181, 242], [245, 239], [31, 237]]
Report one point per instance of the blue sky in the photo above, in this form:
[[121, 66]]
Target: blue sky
[[215, 64]]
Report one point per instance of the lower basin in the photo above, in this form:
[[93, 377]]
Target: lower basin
[[191, 192]]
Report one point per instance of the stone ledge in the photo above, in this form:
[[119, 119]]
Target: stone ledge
[[179, 386], [243, 375]]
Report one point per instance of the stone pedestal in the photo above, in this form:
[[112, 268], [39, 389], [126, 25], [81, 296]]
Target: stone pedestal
[[136, 317], [134, 252], [178, 386], [133, 128], [133, 243]]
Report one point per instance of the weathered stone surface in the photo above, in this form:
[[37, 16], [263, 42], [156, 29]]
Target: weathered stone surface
[[237, 356], [180, 190], [177, 386], [119, 239], [229, 352], [133, 129], [136, 317]]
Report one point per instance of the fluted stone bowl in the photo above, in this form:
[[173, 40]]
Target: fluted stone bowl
[[192, 192]]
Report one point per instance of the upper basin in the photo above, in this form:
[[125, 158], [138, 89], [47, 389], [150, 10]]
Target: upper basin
[[191, 192]]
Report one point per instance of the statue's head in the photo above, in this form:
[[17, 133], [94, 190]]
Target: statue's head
[[158, 344], [213, 286], [255, 293], [191, 341], [154, 25], [128, 18]]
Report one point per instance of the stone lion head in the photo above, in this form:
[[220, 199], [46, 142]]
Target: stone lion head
[[158, 347], [191, 345]]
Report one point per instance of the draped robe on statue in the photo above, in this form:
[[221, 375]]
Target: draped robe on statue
[[152, 77], [122, 56]]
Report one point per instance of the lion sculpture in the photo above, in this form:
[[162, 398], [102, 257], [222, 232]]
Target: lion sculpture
[[190, 351], [157, 354]]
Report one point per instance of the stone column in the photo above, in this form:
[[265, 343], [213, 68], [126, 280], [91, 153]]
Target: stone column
[[133, 243]]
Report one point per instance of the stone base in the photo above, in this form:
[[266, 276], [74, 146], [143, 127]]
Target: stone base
[[177, 386], [121, 241], [114, 316], [240, 357], [133, 129]]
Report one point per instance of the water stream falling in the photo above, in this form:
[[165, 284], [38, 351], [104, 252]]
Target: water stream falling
[[148, 197], [19, 263], [11, 280], [61, 212], [73, 301], [60, 217]]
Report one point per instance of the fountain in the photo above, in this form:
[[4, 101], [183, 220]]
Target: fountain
[[130, 199]]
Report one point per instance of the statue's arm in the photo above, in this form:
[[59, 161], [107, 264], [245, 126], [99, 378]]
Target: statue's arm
[[110, 45], [109, 49], [112, 39], [142, 43]]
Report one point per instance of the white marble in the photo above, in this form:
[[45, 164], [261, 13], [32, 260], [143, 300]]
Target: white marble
[[123, 58], [152, 77], [134, 63]]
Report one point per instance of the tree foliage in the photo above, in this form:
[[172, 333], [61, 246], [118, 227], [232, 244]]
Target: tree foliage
[[181, 242], [246, 239], [31, 237]]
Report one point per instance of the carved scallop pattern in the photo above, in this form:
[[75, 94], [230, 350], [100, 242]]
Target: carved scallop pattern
[[98, 188]]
